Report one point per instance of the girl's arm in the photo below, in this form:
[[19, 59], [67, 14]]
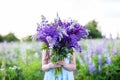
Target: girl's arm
[[72, 65], [45, 64]]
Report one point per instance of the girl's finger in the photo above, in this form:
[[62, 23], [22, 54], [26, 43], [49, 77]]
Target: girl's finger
[[57, 66]]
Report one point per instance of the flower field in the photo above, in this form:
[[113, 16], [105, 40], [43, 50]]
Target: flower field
[[99, 60]]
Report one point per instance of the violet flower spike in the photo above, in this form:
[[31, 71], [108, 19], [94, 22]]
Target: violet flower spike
[[91, 67], [99, 50], [100, 60], [114, 52], [108, 59], [50, 41]]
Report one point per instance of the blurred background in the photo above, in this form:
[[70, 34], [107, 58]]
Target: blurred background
[[21, 17]]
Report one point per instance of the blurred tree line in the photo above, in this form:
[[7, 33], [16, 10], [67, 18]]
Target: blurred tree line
[[9, 37], [12, 38], [92, 27], [94, 32]]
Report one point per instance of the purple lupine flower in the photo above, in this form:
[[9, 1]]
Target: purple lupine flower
[[91, 67], [61, 33], [78, 30], [67, 24], [99, 68], [99, 49], [108, 59], [99, 60], [12, 55], [58, 22], [73, 43], [111, 37], [92, 52], [42, 33], [114, 52], [50, 41]]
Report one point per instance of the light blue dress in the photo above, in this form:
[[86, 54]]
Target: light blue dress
[[66, 74]]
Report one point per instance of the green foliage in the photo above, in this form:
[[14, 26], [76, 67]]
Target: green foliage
[[10, 37], [109, 72], [82, 71], [14, 73], [26, 65], [23, 63], [1, 38], [28, 38], [94, 32], [29, 71], [32, 71], [44, 46], [58, 54]]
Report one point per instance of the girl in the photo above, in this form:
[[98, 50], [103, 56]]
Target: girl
[[68, 66]]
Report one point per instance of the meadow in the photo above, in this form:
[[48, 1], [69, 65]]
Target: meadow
[[99, 60]]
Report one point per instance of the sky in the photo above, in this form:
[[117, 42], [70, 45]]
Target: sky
[[21, 16]]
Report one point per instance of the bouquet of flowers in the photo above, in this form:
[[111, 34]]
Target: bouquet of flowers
[[60, 37]]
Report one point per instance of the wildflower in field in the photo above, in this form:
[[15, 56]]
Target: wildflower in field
[[114, 52], [91, 67], [99, 68], [92, 52], [99, 63], [108, 59], [111, 36], [99, 49], [100, 60]]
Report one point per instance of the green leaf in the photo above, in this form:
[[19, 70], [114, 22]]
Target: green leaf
[[44, 46]]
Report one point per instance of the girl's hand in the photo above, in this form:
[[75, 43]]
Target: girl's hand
[[51, 65], [62, 63]]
